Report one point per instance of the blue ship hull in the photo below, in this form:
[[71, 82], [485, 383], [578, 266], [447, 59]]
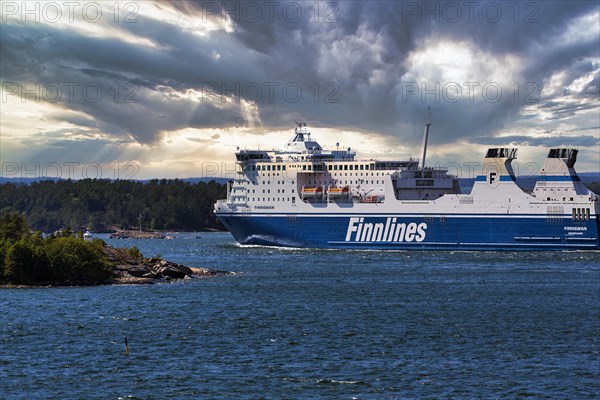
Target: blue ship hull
[[304, 196], [406, 232]]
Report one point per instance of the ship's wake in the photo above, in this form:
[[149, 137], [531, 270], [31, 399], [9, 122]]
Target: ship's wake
[[270, 240]]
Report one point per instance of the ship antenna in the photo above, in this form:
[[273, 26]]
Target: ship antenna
[[425, 137]]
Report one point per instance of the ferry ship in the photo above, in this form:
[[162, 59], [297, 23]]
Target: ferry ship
[[305, 196]]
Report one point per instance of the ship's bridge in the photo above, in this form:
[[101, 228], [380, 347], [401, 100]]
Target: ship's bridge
[[301, 141], [300, 148]]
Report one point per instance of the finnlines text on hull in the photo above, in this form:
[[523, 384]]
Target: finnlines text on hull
[[360, 231]]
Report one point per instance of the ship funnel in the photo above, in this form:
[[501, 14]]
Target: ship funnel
[[497, 178], [558, 174], [425, 138]]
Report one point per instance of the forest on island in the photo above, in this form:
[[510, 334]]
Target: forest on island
[[27, 258], [104, 205]]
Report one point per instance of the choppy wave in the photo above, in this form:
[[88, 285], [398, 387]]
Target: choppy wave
[[307, 323]]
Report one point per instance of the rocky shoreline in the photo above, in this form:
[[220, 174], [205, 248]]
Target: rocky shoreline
[[132, 270], [138, 235], [29, 259]]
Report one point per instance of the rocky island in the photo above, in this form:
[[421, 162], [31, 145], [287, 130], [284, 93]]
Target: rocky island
[[130, 269], [67, 259]]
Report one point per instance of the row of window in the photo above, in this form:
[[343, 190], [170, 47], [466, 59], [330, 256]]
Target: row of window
[[361, 174], [333, 174], [265, 199], [336, 167], [331, 182], [345, 182], [269, 191], [264, 168], [327, 182], [309, 167], [282, 182]]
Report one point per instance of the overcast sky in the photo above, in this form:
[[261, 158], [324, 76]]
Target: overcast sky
[[161, 89]]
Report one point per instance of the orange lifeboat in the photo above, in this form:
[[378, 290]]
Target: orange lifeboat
[[312, 191], [338, 191]]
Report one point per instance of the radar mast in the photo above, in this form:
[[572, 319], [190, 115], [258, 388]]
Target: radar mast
[[425, 138]]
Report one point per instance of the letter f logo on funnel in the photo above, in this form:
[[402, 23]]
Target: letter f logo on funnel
[[492, 177]]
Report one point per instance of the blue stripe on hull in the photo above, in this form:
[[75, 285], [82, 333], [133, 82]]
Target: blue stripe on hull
[[520, 233]]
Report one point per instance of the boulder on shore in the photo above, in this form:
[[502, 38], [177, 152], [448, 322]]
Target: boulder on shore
[[132, 270]]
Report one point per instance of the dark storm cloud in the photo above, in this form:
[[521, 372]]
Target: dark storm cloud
[[116, 82], [311, 52], [520, 27], [533, 38], [348, 62]]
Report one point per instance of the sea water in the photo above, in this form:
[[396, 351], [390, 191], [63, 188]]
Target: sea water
[[305, 323]]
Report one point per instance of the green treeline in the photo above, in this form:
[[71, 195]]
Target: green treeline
[[27, 258], [102, 205]]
